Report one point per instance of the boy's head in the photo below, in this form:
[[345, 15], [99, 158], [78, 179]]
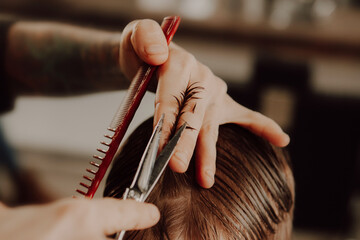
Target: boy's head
[[252, 198]]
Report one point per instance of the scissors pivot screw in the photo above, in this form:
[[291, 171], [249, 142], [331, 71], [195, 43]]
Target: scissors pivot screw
[[132, 194]]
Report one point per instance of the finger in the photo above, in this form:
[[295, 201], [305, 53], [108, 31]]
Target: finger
[[114, 215], [184, 150], [142, 41], [192, 113], [206, 154], [206, 143], [255, 122], [149, 42], [188, 110], [173, 77]]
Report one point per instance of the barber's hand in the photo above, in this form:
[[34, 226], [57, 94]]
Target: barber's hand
[[208, 107], [74, 219]]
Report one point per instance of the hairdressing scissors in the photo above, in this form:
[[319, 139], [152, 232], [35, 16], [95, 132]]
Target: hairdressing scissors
[[123, 117], [151, 166]]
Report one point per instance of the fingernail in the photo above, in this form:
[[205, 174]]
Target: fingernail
[[154, 213], [209, 177], [287, 138], [155, 49]]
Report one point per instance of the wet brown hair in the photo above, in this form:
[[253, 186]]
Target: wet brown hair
[[252, 198]]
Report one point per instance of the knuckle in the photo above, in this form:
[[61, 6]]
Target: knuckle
[[188, 59], [211, 129], [221, 85], [74, 216], [206, 73], [68, 211], [78, 209], [158, 101], [185, 59]]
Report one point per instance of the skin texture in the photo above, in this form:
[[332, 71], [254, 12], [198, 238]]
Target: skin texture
[[57, 59], [75, 219], [179, 70]]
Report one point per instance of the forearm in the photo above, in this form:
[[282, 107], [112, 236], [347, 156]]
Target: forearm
[[52, 58]]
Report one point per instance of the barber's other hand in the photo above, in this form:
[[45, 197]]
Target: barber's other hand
[[209, 107], [74, 219]]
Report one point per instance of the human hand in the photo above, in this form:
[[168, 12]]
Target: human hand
[[74, 219], [187, 91]]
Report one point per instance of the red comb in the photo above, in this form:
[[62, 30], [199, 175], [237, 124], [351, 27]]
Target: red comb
[[124, 116]]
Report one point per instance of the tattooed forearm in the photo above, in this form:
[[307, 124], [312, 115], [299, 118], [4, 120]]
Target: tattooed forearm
[[50, 58]]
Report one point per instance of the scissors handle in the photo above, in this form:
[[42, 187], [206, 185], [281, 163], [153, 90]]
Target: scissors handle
[[161, 163], [120, 235], [127, 195]]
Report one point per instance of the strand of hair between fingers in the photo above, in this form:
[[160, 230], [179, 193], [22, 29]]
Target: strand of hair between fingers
[[191, 93]]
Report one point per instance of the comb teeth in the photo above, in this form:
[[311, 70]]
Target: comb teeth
[[111, 129], [108, 136], [98, 157], [101, 150], [95, 164], [84, 185], [88, 178], [81, 192], [105, 143], [91, 171]]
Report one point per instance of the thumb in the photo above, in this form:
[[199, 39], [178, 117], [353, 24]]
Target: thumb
[[117, 215], [142, 41], [149, 42]]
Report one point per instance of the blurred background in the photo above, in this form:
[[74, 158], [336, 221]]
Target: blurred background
[[296, 61]]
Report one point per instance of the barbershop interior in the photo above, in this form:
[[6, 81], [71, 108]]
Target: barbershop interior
[[295, 61]]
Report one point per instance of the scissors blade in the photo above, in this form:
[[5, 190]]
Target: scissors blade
[[158, 168], [146, 164], [151, 153], [163, 159]]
